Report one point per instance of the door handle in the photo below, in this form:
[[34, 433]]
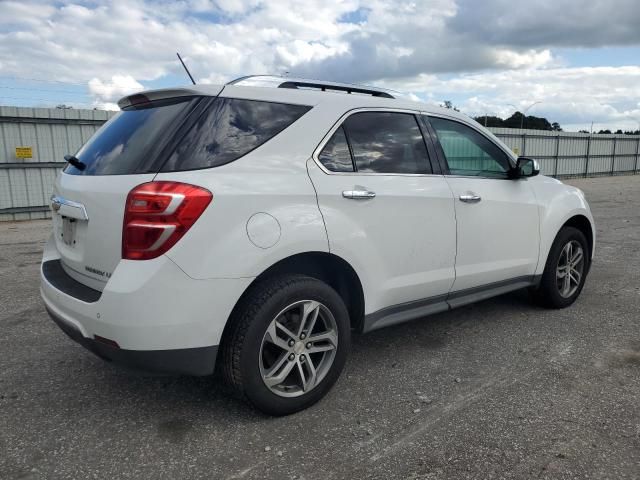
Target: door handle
[[470, 197], [358, 194]]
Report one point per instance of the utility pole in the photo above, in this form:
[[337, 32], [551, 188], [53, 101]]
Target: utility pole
[[524, 114]]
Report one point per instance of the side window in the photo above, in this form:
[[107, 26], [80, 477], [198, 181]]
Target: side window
[[335, 155], [469, 152], [387, 142], [230, 129]]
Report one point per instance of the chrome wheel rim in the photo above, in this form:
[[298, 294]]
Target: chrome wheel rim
[[298, 348], [570, 269]]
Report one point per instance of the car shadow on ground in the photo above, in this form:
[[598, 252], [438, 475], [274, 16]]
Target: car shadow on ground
[[195, 396]]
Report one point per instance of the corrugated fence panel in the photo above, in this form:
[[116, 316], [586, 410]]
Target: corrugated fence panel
[[18, 180], [600, 165], [60, 142], [626, 163], [541, 146], [547, 166], [11, 140], [5, 190], [48, 178], [571, 166], [572, 146], [601, 146], [626, 146], [45, 143]]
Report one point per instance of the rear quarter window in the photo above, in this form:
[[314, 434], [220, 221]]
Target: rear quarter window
[[228, 130]]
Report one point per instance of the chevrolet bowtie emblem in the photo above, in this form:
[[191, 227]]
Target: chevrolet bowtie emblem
[[55, 205]]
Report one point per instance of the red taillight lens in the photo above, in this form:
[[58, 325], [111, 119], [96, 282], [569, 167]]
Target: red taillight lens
[[157, 215]]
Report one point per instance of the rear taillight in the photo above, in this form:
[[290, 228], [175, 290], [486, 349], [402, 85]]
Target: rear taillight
[[157, 215]]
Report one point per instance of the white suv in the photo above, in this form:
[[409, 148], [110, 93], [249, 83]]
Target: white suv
[[254, 225]]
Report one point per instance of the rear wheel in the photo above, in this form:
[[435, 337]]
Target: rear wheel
[[565, 271], [287, 343]]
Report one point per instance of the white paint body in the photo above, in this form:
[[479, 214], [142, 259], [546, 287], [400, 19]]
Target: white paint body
[[414, 240]]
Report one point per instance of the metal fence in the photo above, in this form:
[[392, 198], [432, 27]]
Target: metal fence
[[568, 154], [33, 142]]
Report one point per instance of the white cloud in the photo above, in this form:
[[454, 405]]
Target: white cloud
[[572, 96], [107, 93], [485, 56]]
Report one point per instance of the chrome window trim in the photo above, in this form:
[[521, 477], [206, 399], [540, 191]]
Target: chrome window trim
[[316, 153], [508, 153]]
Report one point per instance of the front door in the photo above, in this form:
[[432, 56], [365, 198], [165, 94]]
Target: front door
[[497, 217]]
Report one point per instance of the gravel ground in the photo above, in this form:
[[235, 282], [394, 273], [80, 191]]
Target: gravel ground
[[501, 389]]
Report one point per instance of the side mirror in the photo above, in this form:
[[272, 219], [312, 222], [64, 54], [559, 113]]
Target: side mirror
[[527, 167]]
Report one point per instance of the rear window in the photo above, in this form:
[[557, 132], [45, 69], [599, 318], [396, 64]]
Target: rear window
[[230, 129], [131, 137]]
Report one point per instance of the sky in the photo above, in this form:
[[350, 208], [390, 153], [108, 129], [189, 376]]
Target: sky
[[579, 59]]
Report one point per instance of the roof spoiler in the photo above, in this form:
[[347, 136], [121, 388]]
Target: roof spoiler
[[164, 93]]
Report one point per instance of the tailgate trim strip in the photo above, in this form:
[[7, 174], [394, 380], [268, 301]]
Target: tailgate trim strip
[[54, 274]]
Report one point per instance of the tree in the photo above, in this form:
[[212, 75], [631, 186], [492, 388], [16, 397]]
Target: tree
[[604, 132], [489, 121], [584, 131], [618, 132], [62, 106], [518, 120], [449, 104]]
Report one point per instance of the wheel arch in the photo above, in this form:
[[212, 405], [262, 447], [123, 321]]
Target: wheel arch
[[582, 223], [577, 219], [324, 266]]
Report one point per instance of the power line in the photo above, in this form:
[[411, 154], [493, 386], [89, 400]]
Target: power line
[[49, 100], [30, 89], [13, 77]]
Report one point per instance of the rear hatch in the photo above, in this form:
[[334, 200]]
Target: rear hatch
[[89, 199]]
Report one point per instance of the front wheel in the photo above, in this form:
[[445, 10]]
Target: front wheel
[[287, 343], [565, 271]]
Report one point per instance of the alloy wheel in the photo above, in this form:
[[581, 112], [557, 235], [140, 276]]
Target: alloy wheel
[[570, 269], [298, 348]]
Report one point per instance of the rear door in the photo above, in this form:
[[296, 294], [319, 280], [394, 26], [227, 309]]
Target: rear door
[[386, 211], [88, 203], [497, 217]]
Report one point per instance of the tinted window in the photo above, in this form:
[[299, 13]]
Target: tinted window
[[229, 129], [130, 137], [335, 155], [385, 142], [468, 152]]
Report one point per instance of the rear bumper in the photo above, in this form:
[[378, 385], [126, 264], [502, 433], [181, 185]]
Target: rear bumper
[[161, 319], [186, 361]]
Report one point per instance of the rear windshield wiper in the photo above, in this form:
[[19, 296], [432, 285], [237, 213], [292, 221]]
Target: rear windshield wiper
[[75, 162]]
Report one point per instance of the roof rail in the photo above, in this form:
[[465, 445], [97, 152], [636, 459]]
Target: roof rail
[[296, 83], [337, 87]]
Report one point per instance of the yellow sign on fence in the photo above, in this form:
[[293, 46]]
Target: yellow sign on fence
[[24, 152]]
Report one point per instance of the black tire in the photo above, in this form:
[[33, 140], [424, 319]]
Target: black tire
[[241, 345], [548, 293]]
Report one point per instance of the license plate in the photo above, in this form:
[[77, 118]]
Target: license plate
[[69, 231]]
